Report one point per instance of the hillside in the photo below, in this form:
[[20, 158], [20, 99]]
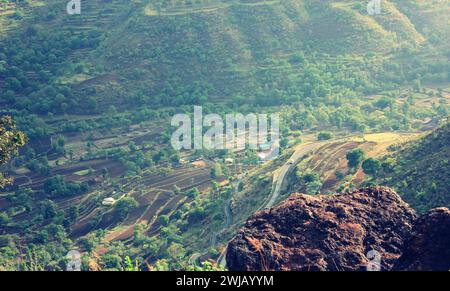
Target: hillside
[[130, 53], [420, 170]]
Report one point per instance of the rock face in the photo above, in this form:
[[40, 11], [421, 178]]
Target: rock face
[[428, 247], [324, 233]]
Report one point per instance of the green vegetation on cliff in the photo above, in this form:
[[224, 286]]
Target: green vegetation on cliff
[[420, 170]]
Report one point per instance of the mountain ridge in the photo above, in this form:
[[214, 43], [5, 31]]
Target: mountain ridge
[[115, 45]]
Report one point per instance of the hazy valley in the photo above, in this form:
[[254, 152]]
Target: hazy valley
[[363, 100]]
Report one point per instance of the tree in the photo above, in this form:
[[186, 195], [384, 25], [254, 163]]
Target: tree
[[324, 135], [218, 167], [48, 209], [72, 214], [311, 181], [13, 84], [11, 140], [176, 190], [175, 159], [161, 265], [112, 261], [58, 145], [297, 58], [132, 146], [196, 214], [213, 173], [193, 193], [383, 103], [4, 219], [215, 186], [125, 205], [41, 237], [371, 166], [164, 219], [55, 186], [22, 197], [311, 176], [176, 251], [87, 243], [355, 158], [131, 266]]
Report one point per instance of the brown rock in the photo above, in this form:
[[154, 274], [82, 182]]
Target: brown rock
[[324, 232], [428, 248]]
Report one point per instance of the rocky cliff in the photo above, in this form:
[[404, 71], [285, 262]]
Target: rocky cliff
[[336, 232], [428, 247]]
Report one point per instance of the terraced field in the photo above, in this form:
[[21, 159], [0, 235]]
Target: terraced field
[[330, 158], [174, 8], [155, 196]]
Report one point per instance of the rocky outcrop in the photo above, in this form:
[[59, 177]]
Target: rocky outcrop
[[428, 247], [324, 232]]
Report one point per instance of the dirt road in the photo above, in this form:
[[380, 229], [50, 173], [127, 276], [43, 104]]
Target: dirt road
[[286, 168]]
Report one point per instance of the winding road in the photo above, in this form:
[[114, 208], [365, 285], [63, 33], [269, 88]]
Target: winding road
[[299, 153], [286, 169]]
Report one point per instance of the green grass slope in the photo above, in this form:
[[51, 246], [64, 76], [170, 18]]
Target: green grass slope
[[138, 52], [420, 170]]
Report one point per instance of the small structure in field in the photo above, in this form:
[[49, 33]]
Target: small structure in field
[[265, 146], [108, 201], [229, 161], [199, 164]]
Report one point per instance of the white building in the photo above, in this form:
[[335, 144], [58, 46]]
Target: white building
[[108, 201]]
